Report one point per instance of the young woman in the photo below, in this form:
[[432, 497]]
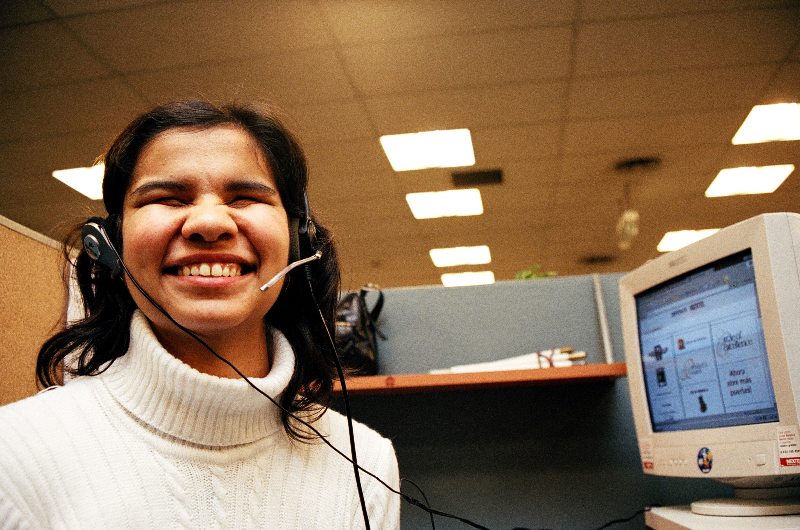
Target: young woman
[[153, 430]]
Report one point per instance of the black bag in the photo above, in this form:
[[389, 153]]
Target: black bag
[[356, 332]]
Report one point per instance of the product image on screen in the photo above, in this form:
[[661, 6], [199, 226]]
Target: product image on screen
[[704, 357]]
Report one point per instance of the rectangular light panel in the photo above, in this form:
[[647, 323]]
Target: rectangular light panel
[[423, 150], [451, 257], [681, 238], [85, 180], [770, 123], [452, 203], [461, 279], [748, 180]]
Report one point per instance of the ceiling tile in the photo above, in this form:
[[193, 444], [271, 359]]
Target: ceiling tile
[[348, 172], [42, 54], [471, 108], [329, 122], [676, 164], [66, 8], [714, 39], [765, 154], [664, 93], [285, 79], [784, 85], [168, 34], [22, 12], [106, 104], [500, 145], [355, 21], [378, 217], [459, 61], [604, 10], [28, 164], [646, 136]]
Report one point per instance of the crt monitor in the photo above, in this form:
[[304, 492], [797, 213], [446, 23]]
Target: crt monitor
[[712, 348]]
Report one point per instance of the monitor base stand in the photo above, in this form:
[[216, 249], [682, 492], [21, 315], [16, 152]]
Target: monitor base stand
[[752, 502]]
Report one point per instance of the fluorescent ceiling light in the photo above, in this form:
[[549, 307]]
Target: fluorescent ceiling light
[[681, 238], [450, 148], [450, 257], [452, 203], [460, 279], [770, 123], [748, 180], [85, 180]]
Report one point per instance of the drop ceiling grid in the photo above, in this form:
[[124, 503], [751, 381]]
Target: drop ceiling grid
[[44, 54], [675, 42], [362, 22], [207, 32], [678, 105], [286, 79]]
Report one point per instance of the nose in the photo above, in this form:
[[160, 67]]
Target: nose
[[209, 222]]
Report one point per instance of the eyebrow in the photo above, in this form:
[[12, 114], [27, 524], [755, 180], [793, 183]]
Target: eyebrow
[[237, 186], [160, 185]]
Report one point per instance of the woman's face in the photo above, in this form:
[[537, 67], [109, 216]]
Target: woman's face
[[203, 228]]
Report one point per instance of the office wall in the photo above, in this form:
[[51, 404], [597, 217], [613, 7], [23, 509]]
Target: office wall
[[554, 456], [33, 301]]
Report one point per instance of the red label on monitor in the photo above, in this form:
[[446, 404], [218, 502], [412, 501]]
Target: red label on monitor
[[790, 462]]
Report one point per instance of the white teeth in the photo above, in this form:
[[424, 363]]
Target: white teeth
[[210, 269]]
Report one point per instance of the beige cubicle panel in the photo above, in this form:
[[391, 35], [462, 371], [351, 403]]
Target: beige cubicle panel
[[34, 300]]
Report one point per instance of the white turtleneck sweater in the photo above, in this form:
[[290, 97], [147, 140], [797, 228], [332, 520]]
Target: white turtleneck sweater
[[153, 443]]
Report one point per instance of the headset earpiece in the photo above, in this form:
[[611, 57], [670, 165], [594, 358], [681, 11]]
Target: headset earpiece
[[98, 245], [302, 234]]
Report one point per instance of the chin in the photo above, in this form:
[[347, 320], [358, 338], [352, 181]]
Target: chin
[[211, 322]]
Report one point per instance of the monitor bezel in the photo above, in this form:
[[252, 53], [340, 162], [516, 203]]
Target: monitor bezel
[[769, 239]]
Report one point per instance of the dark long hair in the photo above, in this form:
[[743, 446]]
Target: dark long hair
[[104, 333]]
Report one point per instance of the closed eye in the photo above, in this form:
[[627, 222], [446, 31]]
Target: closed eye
[[168, 201], [242, 201]]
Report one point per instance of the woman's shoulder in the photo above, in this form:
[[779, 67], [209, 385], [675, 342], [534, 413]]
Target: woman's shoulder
[[49, 414], [369, 442]]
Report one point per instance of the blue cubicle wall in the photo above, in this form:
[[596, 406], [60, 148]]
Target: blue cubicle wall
[[554, 456]]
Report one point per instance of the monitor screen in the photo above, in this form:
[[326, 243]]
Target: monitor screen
[[703, 352]]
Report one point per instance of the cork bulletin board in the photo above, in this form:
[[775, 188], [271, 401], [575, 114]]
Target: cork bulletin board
[[33, 302]]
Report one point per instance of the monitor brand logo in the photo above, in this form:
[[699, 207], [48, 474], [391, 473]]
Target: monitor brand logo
[[705, 459]]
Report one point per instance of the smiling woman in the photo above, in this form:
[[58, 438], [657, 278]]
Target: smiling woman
[[204, 206]]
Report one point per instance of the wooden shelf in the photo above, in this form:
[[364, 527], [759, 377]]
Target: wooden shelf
[[408, 383]]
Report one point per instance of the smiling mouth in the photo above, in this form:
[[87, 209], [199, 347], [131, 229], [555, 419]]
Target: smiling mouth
[[210, 270]]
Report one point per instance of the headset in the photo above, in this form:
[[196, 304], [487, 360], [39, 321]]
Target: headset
[[100, 247]]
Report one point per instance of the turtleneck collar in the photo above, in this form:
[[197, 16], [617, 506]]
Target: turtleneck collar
[[174, 398]]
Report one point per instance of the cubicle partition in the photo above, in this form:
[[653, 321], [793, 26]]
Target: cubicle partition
[[547, 453], [33, 297]]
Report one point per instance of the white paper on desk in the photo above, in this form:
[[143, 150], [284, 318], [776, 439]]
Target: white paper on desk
[[525, 362]]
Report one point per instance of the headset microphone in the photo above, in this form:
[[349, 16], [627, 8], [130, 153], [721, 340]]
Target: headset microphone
[[317, 255]]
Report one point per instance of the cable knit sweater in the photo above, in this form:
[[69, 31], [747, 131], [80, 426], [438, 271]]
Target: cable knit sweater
[[153, 443]]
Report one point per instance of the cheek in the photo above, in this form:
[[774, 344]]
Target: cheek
[[143, 237], [270, 235]]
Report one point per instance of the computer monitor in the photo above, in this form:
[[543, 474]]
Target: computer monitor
[[712, 347]]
